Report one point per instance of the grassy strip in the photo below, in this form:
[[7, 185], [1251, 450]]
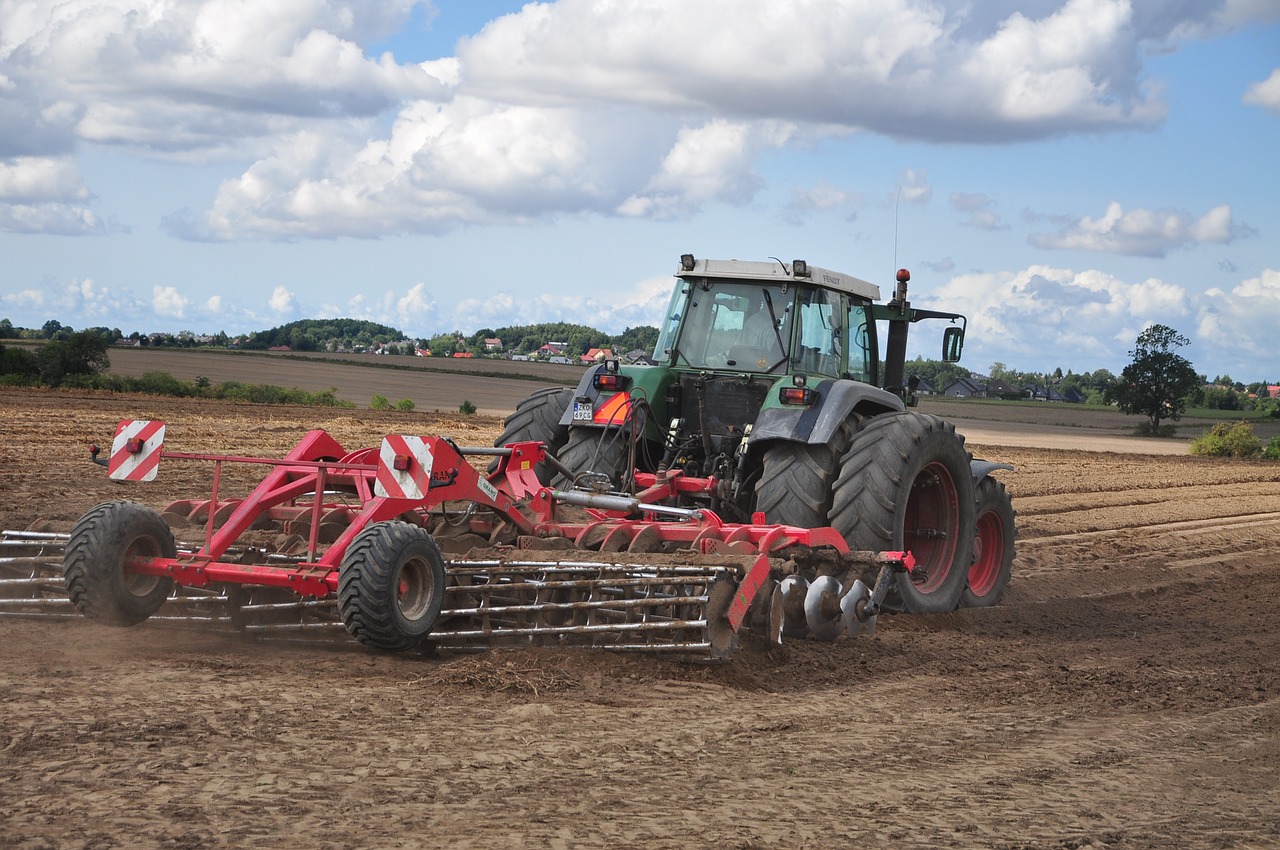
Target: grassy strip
[[165, 384]]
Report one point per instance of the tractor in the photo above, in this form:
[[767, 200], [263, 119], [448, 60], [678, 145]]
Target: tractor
[[767, 379], [761, 474]]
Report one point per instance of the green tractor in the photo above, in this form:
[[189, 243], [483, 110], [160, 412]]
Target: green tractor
[[767, 388]]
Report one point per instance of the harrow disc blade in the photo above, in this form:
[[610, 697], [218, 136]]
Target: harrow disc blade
[[822, 608], [852, 605], [794, 589]]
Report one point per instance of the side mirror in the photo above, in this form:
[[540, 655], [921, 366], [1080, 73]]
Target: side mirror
[[952, 344]]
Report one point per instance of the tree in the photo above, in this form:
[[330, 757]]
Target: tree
[[1156, 383], [83, 353]]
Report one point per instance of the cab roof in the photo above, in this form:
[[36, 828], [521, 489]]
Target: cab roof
[[775, 271]]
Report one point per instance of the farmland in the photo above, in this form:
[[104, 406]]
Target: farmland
[[1124, 694]]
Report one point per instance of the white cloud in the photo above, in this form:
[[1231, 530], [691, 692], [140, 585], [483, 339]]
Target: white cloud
[[1265, 93], [914, 186], [978, 211], [820, 198], [577, 106], [1015, 315], [27, 179], [1143, 232], [282, 301], [168, 302], [636, 108], [183, 75], [56, 219], [1242, 323], [641, 303], [713, 162]]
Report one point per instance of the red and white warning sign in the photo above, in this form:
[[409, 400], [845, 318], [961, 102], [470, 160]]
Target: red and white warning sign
[[404, 468], [135, 452]]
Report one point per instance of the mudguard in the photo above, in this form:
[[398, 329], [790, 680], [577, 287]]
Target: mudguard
[[837, 401], [982, 468]]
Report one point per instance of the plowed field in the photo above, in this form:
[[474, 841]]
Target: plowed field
[[1124, 695]]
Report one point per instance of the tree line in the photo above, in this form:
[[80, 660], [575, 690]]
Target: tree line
[[1158, 384]]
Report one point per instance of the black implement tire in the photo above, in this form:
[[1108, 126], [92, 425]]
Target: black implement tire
[[905, 485], [95, 563], [993, 547], [603, 450], [537, 418], [796, 479], [391, 586]]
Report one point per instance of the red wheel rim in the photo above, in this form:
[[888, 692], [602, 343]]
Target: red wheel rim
[[988, 553], [931, 524]]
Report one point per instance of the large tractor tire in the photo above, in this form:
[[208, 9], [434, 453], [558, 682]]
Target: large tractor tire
[[905, 485], [95, 564], [537, 418], [993, 547], [391, 586], [796, 479], [605, 451]]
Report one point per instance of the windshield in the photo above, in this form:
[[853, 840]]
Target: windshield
[[738, 326]]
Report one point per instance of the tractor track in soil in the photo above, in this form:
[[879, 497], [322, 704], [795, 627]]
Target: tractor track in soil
[[1124, 693]]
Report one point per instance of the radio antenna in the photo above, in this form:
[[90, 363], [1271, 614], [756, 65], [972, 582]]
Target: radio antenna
[[896, 199]]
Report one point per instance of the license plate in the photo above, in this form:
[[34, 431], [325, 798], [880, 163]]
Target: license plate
[[583, 411]]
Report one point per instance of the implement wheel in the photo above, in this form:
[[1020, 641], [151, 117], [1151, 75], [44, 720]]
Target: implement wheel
[[95, 564], [538, 418], [992, 547], [391, 586], [905, 485]]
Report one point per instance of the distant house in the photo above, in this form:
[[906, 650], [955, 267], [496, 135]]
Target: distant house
[[997, 388], [279, 348], [965, 388], [1039, 392], [462, 354], [923, 387], [597, 355], [552, 349], [422, 352], [1273, 391], [492, 344]]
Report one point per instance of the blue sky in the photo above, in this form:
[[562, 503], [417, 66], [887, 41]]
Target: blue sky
[[1065, 172]]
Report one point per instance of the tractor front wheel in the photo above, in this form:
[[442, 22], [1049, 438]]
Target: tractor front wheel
[[905, 485], [95, 564], [391, 586], [992, 547]]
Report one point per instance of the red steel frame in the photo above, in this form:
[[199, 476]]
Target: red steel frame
[[319, 462]]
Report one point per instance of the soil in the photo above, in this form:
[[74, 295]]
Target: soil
[[1124, 694]]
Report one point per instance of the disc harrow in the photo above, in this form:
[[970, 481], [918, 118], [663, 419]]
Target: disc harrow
[[332, 544]]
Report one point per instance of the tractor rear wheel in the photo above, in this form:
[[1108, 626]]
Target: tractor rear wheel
[[391, 586], [601, 450], [796, 479], [537, 418], [905, 485], [95, 564], [993, 547]]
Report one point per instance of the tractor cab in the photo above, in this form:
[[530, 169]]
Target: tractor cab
[[760, 318]]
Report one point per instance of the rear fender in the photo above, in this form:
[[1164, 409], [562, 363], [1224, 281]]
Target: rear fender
[[838, 400], [982, 468]]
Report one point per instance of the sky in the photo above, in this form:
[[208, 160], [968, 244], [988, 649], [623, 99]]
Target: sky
[[1064, 172]]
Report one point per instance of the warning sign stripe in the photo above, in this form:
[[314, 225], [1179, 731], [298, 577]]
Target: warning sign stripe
[[126, 465], [412, 483]]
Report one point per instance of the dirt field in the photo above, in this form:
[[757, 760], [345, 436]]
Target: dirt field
[[1124, 695]]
